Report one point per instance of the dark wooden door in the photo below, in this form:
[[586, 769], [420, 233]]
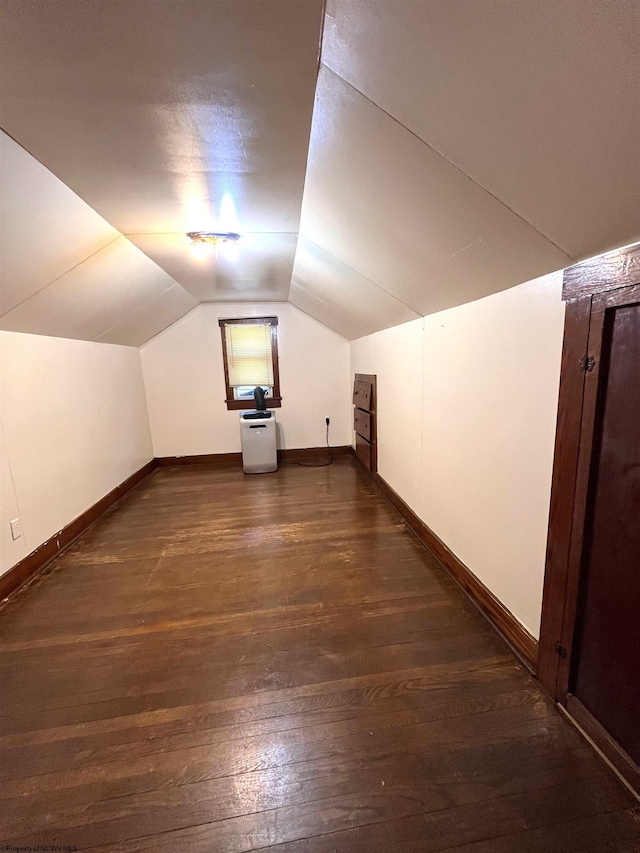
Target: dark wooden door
[[589, 650], [604, 675], [364, 420]]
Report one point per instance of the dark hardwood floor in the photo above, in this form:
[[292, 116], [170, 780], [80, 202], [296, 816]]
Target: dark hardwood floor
[[230, 663]]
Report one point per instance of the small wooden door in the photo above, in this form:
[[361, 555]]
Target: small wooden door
[[604, 676], [364, 420]]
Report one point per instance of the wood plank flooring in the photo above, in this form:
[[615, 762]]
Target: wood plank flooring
[[230, 663]]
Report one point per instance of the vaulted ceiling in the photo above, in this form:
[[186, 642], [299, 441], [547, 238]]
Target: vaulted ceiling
[[380, 160]]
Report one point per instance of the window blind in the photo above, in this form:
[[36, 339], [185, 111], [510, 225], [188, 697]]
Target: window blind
[[249, 354]]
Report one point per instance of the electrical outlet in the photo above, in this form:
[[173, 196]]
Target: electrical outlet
[[16, 528], [326, 420]]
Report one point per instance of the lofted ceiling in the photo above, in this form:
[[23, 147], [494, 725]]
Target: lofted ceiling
[[437, 153], [64, 271]]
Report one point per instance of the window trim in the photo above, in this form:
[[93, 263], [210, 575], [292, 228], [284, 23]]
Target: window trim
[[273, 402]]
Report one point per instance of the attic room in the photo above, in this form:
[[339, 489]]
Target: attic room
[[320, 426]]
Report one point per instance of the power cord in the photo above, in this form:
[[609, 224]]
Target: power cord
[[320, 464]]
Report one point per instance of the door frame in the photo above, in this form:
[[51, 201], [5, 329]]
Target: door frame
[[589, 289]]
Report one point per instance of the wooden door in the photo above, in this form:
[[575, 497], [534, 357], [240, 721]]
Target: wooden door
[[604, 675], [589, 655], [364, 420]]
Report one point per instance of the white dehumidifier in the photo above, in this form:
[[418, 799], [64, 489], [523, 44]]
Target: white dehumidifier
[[258, 436]]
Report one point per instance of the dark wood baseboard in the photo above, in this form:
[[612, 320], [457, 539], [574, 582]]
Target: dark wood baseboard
[[37, 560], [34, 563], [512, 632], [218, 460], [309, 454], [615, 755], [226, 460]]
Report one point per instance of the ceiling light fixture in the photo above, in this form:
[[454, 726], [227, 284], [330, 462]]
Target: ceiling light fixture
[[203, 242], [213, 238]]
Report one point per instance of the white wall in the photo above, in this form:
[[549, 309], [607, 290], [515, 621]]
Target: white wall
[[467, 403], [11, 551], [184, 380], [396, 357], [74, 426]]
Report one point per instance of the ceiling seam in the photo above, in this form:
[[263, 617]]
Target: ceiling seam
[[323, 13], [142, 307], [62, 275], [128, 234], [166, 328], [44, 166], [315, 320], [444, 157], [357, 272], [317, 298], [323, 16]]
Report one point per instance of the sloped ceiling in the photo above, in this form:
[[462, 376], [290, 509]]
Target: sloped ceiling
[[459, 148], [65, 271], [165, 117], [537, 101], [456, 149], [404, 217]]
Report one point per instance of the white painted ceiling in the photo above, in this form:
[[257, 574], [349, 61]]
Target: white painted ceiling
[[456, 149], [65, 271]]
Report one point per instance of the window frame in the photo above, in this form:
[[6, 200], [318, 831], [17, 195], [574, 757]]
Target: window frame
[[273, 402]]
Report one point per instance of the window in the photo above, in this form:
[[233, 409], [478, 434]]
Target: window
[[250, 355]]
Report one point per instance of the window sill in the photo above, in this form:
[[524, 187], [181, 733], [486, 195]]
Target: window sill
[[250, 405]]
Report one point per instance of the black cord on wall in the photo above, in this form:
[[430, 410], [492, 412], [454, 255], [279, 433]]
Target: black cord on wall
[[320, 464]]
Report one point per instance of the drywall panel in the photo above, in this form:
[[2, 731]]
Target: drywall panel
[[472, 453], [157, 111], [396, 357], [151, 319], [256, 268], [184, 381], [75, 423], [340, 297], [387, 205], [537, 100], [45, 228], [491, 377], [11, 551], [93, 296]]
